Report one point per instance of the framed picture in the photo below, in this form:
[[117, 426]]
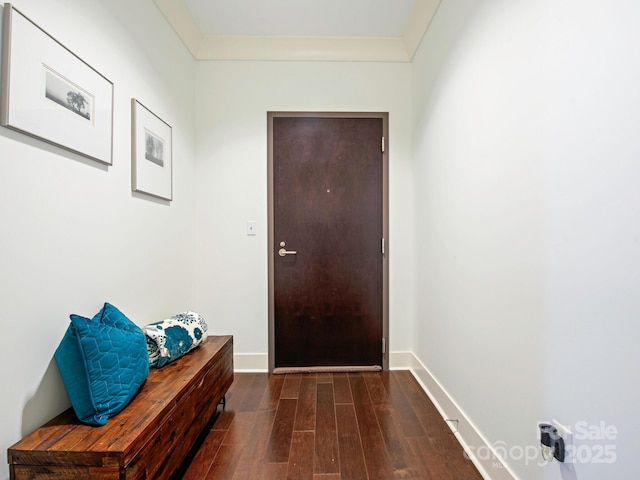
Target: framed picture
[[152, 153], [50, 93]]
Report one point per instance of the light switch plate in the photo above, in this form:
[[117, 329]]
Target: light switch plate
[[251, 228]]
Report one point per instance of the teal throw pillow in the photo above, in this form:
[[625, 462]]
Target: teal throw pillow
[[103, 362]]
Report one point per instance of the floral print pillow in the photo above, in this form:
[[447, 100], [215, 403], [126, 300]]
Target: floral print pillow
[[170, 339]]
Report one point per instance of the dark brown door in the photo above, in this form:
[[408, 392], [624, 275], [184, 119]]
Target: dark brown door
[[327, 180]]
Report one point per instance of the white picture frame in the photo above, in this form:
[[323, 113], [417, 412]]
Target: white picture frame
[[50, 93], [152, 154]]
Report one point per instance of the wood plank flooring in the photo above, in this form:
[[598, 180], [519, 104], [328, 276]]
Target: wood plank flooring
[[340, 426]]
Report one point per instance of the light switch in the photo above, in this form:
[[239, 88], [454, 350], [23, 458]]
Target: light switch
[[251, 227]]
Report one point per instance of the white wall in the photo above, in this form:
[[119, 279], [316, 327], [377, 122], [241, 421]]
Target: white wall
[[514, 184], [527, 236], [73, 234], [231, 124]]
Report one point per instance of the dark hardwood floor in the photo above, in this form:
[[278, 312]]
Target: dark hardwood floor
[[346, 426]]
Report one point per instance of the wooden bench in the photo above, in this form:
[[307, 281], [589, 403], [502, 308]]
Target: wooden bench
[[149, 439]]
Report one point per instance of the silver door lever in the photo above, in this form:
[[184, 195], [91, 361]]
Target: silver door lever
[[283, 252]]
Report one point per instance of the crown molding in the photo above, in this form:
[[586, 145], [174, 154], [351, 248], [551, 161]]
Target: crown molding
[[421, 16], [338, 49], [179, 17], [329, 49]]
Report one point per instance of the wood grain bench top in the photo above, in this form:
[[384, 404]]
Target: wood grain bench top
[[66, 441]]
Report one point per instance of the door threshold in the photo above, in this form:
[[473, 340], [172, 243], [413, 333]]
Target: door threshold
[[328, 369]]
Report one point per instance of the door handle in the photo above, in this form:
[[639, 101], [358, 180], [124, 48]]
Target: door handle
[[283, 252]]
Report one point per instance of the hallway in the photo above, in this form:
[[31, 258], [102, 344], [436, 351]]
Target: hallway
[[346, 426]]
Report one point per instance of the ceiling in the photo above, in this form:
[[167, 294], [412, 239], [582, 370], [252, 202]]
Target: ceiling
[[304, 30]]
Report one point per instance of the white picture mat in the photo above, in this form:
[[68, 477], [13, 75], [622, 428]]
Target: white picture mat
[[31, 53], [148, 176]]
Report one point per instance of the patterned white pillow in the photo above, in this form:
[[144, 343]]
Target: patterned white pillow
[[171, 338]]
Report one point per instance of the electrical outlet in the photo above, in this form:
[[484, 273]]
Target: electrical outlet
[[564, 431], [567, 435]]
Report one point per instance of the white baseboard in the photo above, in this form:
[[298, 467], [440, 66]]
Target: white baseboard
[[250, 362], [401, 360], [489, 464], [259, 362]]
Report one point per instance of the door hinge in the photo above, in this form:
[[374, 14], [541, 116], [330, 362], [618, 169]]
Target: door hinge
[[383, 246], [382, 144], [384, 346]]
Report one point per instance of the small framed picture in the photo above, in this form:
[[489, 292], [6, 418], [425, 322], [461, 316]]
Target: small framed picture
[[152, 162], [50, 93]]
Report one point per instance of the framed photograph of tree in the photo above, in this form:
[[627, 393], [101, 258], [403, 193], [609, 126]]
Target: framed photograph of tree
[[152, 162], [50, 93]]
